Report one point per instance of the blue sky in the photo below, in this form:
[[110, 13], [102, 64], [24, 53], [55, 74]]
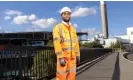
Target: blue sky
[[23, 16]]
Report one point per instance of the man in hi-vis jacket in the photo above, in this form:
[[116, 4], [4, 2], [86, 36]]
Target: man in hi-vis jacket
[[66, 47]]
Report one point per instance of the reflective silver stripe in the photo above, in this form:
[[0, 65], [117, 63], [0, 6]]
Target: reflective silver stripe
[[56, 39], [68, 48], [72, 69], [78, 52], [61, 34], [61, 72], [60, 30], [68, 40], [58, 53]]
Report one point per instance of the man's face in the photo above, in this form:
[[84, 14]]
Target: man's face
[[66, 16]]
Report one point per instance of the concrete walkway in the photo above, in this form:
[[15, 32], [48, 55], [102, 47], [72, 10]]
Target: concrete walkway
[[126, 68], [130, 57], [113, 67], [107, 69]]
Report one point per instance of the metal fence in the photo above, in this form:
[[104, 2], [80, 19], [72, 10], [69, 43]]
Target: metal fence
[[35, 63], [88, 54], [21, 63]]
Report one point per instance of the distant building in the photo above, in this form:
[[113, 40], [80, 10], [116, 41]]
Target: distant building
[[129, 37], [29, 38], [127, 40], [107, 42], [130, 34]]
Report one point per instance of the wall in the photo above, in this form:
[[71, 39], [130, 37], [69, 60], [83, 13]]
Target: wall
[[109, 41]]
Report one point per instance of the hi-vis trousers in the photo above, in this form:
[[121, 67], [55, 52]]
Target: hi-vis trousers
[[68, 72]]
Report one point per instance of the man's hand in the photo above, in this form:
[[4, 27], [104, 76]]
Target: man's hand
[[62, 62], [78, 59]]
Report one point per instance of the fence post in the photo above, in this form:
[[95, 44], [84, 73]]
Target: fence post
[[20, 65]]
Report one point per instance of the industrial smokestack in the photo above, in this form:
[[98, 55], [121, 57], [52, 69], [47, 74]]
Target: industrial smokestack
[[104, 19]]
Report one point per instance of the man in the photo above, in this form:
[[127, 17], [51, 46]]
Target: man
[[66, 47]]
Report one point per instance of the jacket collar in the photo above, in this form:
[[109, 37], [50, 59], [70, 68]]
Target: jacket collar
[[66, 23]]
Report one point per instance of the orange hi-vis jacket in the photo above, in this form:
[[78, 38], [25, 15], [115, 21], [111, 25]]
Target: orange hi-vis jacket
[[65, 41]]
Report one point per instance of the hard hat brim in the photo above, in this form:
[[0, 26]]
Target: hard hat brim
[[65, 11]]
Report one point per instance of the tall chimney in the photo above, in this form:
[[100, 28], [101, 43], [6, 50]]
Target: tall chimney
[[104, 20]]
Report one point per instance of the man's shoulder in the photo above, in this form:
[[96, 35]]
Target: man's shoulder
[[57, 25]]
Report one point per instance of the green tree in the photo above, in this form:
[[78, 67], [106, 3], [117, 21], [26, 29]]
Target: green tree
[[94, 44], [117, 46], [44, 63], [50, 43]]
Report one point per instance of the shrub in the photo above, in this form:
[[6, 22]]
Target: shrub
[[44, 64], [94, 44]]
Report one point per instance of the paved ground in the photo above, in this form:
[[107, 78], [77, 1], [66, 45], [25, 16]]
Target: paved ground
[[130, 57], [113, 67], [126, 68], [107, 69]]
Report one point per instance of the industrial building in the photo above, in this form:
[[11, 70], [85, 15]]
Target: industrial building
[[127, 39], [29, 38]]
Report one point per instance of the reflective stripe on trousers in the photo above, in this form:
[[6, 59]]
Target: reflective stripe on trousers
[[68, 72], [61, 72], [73, 69]]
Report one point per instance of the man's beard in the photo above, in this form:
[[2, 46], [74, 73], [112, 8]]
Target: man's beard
[[66, 20]]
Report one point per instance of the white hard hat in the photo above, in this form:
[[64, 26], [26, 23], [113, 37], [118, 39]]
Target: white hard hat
[[64, 9]]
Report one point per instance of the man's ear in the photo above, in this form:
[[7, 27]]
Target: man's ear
[[61, 14]]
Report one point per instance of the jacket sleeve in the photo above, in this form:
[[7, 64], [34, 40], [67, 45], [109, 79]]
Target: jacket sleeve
[[56, 42], [77, 46]]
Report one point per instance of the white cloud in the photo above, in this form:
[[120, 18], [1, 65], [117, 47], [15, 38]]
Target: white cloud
[[83, 11], [91, 31], [12, 12], [20, 19], [80, 11], [75, 25], [24, 19], [7, 17], [32, 17], [44, 23]]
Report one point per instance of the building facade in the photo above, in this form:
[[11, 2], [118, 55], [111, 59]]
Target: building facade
[[29, 38]]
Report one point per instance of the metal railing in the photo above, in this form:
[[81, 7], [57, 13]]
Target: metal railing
[[27, 62], [88, 54], [36, 63]]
